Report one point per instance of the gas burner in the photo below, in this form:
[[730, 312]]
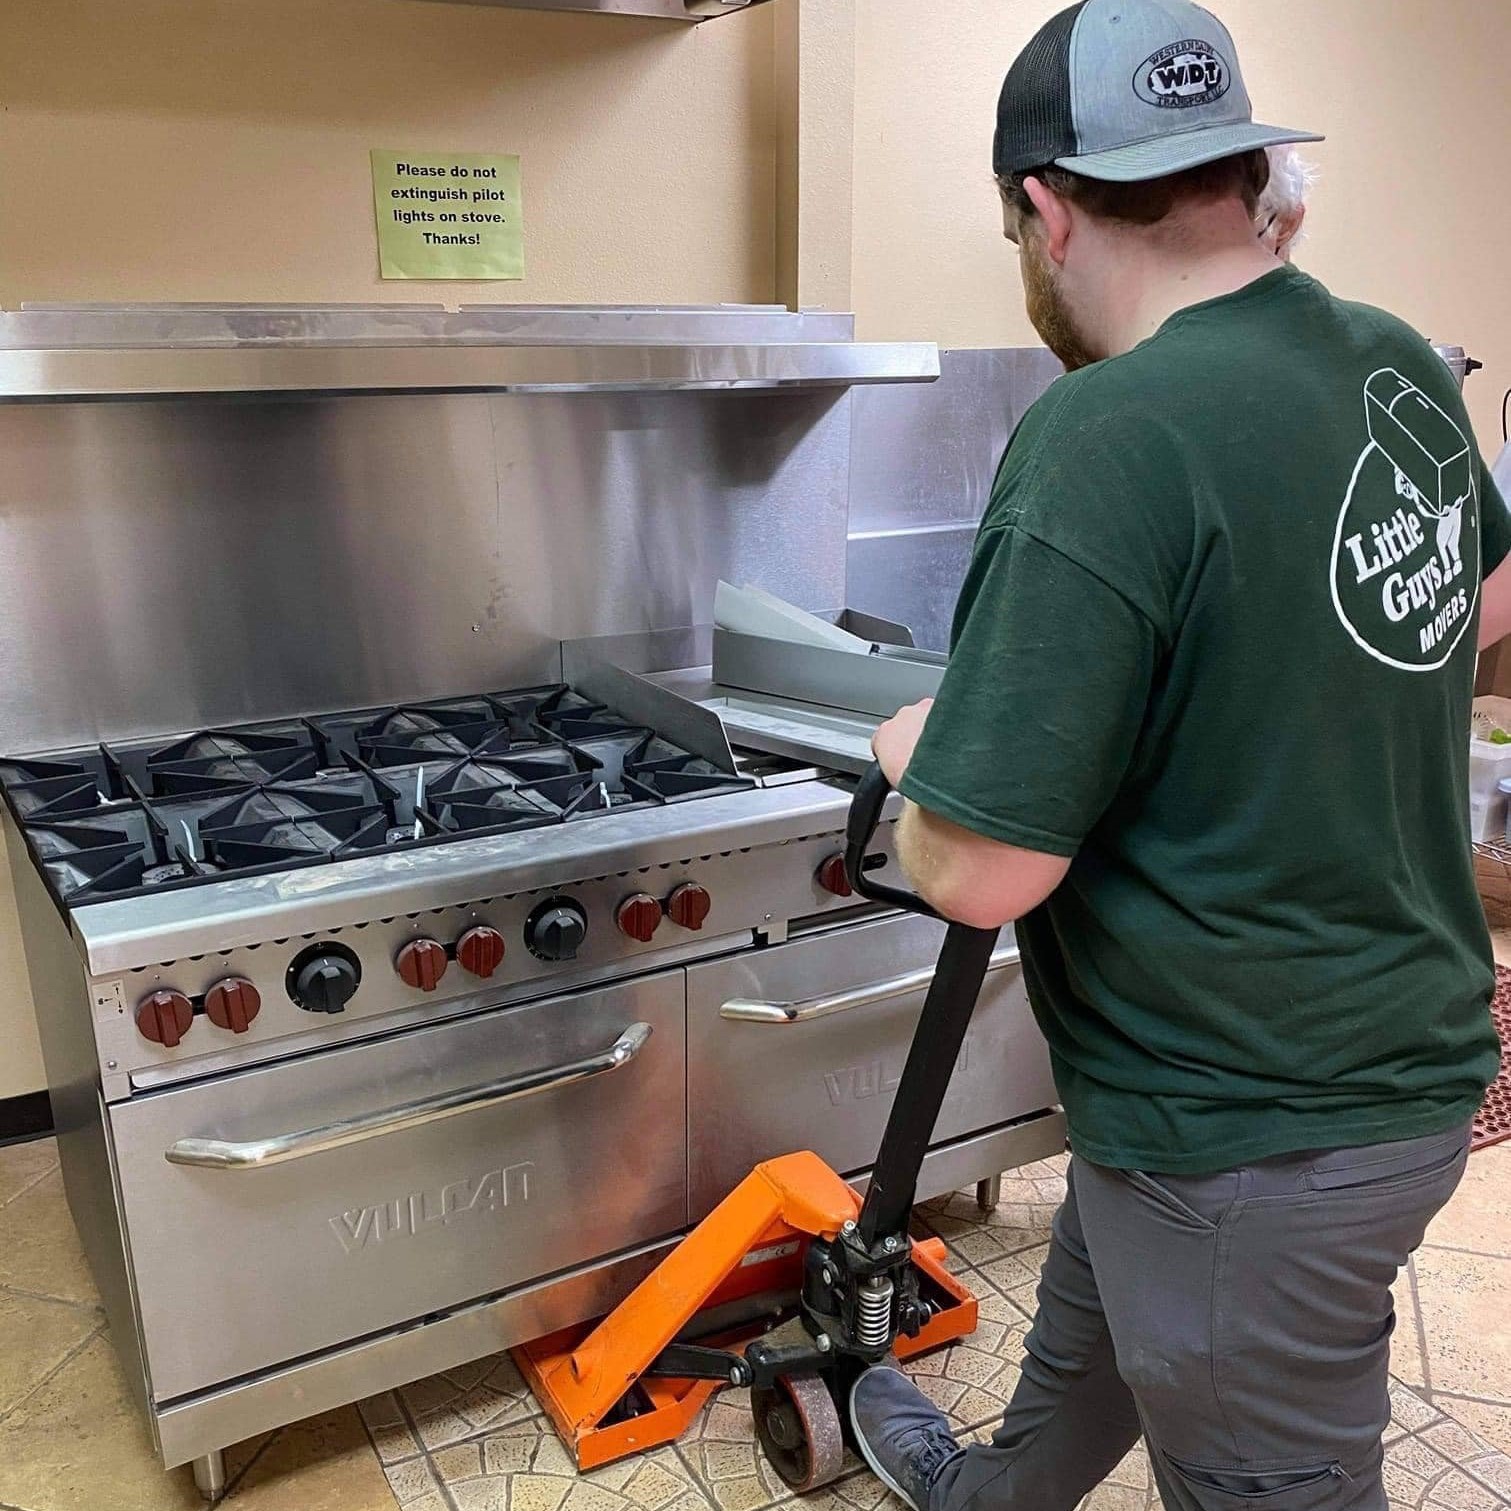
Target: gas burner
[[684, 777], [118, 849], [500, 811], [272, 840], [589, 793], [646, 766], [411, 732], [217, 773], [575, 719], [64, 784], [472, 796], [213, 759], [302, 791]]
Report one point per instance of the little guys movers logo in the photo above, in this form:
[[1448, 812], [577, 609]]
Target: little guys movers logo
[[1405, 571]]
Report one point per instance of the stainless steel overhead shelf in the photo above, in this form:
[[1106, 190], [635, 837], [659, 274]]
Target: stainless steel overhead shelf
[[141, 352], [669, 10]]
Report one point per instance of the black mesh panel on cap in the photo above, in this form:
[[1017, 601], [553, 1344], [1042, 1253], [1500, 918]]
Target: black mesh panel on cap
[[1034, 123]]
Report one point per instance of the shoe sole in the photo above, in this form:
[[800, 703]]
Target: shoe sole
[[869, 1455]]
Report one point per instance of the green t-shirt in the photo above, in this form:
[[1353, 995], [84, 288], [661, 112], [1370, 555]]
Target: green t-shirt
[[1217, 643]]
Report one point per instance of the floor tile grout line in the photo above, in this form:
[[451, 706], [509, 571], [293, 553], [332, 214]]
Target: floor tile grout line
[[234, 1480], [1458, 1248], [1473, 1472], [96, 1332], [31, 1185], [372, 1443], [1459, 1395], [1416, 1307], [78, 1306], [443, 1488]]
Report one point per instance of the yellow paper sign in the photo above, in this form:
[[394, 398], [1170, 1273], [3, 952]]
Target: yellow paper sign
[[448, 215]]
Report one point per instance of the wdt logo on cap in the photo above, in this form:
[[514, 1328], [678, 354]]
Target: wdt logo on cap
[[1182, 75]]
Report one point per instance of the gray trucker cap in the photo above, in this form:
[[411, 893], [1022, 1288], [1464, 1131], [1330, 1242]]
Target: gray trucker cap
[[1128, 90]]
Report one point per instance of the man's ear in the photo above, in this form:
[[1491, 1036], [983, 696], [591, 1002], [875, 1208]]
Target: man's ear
[[1288, 227], [1055, 213]]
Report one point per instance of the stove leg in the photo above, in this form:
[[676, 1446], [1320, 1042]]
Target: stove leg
[[210, 1475], [989, 1193]]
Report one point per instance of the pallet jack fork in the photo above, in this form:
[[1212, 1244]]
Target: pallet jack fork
[[792, 1228]]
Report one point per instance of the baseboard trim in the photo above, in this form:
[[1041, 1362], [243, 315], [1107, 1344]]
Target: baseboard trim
[[25, 1117]]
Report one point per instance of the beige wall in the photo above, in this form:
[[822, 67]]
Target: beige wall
[[1410, 212], [217, 149]]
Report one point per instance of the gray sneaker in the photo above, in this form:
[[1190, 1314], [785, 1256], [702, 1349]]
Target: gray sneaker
[[905, 1438]]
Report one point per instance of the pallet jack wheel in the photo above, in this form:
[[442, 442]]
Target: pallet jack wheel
[[798, 1428]]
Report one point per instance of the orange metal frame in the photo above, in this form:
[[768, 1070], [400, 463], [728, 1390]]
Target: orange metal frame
[[751, 1243]]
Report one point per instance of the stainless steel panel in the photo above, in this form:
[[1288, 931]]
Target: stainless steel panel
[[922, 464], [239, 1273], [816, 674], [171, 565], [205, 1422], [72, 1064], [756, 1090], [759, 889], [797, 731], [847, 999], [186, 326], [161, 926], [928, 455], [643, 702], [916, 572], [124, 374], [403, 1117]]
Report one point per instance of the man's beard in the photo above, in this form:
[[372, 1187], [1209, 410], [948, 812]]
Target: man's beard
[[1048, 311]]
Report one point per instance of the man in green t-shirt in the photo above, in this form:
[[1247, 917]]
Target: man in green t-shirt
[[1203, 736]]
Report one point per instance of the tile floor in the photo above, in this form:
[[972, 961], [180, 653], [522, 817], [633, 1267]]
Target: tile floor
[[472, 1439]]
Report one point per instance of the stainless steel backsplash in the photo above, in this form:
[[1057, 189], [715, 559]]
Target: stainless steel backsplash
[[176, 563], [922, 460]]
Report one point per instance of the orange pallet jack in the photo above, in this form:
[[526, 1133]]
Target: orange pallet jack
[[791, 1231]]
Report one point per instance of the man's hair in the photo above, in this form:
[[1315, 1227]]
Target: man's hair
[[1148, 203]]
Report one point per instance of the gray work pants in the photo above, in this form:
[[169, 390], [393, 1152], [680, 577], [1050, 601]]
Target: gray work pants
[[1241, 1322]]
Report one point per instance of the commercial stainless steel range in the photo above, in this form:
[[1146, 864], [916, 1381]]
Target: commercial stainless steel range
[[392, 1033]]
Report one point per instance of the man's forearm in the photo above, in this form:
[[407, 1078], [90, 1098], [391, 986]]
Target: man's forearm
[[968, 877]]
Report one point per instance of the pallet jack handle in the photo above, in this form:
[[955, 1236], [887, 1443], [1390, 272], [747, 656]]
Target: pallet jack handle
[[860, 829], [964, 959]]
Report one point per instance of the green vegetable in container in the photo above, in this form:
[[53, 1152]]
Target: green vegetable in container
[[1499, 737]]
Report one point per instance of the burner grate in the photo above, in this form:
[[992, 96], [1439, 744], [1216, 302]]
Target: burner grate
[[119, 849], [121, 817]]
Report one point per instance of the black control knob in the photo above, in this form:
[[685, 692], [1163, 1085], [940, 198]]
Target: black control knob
[[323, 978], [556, 929]]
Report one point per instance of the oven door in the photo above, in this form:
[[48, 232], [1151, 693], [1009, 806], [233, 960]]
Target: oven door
[[801, 1047], [289, 1208]]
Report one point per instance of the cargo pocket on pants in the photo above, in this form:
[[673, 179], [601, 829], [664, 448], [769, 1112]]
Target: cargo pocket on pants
[[1303, 1487]]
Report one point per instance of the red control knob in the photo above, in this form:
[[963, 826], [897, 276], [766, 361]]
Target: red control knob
[[480, 950], [689, 905], [232, 1004], [832, 878], [639, 917], [165, 1017], [421, 963]]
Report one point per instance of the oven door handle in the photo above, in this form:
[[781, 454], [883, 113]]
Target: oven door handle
[[256, 1154], [741, 1010]]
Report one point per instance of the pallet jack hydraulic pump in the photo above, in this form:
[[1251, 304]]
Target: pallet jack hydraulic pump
[[857, 1287]]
